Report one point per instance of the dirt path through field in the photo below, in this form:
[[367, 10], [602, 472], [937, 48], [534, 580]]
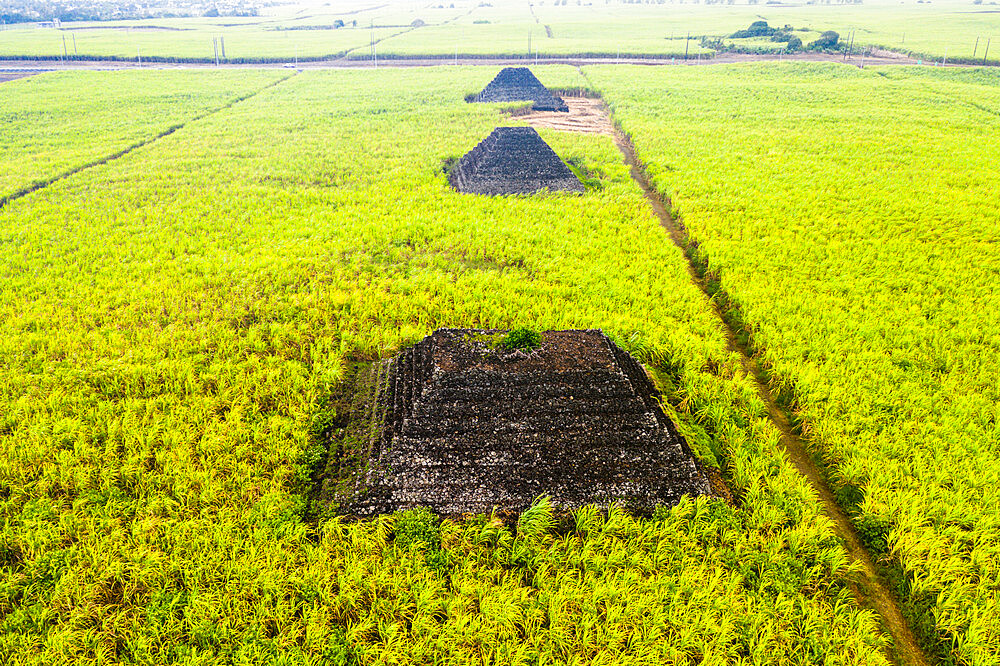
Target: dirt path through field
[[11, 74], [870, 590], [589, 116]]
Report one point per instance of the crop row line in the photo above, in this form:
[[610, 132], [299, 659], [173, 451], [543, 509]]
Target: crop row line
[[41, 184], [871, 590]]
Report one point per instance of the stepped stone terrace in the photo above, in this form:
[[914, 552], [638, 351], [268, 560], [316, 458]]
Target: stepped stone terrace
[[460, 424], [513, 160], [516, 84]]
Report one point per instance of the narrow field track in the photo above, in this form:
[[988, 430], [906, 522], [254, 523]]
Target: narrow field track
[[592, 116], [11, 74]]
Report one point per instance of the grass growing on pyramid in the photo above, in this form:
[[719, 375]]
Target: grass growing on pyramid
[[513, 160], [462, 423]]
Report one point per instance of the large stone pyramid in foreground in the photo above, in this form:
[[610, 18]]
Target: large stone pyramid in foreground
[[512, 160], [515, 84], [462, 425]]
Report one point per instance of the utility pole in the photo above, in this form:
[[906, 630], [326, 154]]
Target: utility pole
[[65, 54], [215, 47], [222, 44], [976, 48], [75, 52], [945, 61], [138, 56], [987, 51], [686, 43]]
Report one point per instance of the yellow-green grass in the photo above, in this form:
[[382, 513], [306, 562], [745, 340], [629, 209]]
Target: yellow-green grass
[[926, 30], [241, 43], [852, 217], [54, 123], [171, 327]]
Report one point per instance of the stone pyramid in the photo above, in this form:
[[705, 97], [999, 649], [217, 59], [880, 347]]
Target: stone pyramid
[[512, 160], [461, 425], [515, 84]]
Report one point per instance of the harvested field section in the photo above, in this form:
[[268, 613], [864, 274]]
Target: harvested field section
[[584, 115], [173, 329]]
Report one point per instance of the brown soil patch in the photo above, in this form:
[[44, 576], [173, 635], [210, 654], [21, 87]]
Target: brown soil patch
[[10, 75], [589, 116]]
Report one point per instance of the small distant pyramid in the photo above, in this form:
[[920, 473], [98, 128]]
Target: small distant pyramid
[[460, 424], [512, 160], [515, 84]]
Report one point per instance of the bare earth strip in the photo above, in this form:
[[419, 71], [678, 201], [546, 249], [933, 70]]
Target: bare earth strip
[[588, 116], [11, 74]]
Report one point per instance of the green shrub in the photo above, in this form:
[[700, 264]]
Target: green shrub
[[525, 339], [418, 525], [756, 29], [421, 528], [827, 40]]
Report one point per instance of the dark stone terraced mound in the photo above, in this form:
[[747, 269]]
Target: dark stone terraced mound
[[512, 160], [517, 84], [460, 425]]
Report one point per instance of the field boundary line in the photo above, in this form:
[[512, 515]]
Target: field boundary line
[[42, 184], [343, 59], [346, 55], [872, 591]]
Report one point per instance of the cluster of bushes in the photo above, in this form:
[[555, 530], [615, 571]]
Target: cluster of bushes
[[756, 29], [792, 42], [828, 40]]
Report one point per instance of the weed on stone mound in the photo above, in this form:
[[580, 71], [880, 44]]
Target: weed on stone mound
[[523, 339]]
